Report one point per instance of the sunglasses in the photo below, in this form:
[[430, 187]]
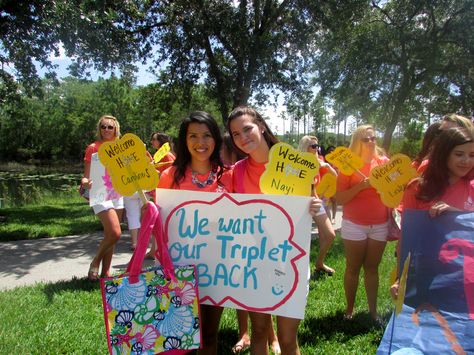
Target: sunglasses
[[107, 127], [368, 139], [314, 146]]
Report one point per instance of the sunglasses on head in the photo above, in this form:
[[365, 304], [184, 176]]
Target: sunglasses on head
[[107, 127], [368, 139], [314, 146]]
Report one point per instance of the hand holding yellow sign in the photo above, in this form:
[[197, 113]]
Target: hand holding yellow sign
[[289, 171], [160, 153], [327, 186], [345, 160], [128, 165], [391, 178]]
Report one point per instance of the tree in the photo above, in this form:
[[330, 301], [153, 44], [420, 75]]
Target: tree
[[239, 49], [382, 61]]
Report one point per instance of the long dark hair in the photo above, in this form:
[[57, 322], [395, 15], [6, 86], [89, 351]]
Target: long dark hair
[[428, 141], [435, 178], [257, 119], [183, 157]]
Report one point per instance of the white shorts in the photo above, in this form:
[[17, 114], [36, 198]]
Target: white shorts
[[133, 205], [107, 205], [353, 231]]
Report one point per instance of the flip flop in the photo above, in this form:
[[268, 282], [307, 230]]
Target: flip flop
[[240, 347]]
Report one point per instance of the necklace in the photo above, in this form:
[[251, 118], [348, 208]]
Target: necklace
[[202, 184]]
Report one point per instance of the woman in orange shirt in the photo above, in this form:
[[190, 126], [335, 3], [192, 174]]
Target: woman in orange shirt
[[364, 227], [447, 183], [252, 136], [198, 167], [325, 230], [109, 212]]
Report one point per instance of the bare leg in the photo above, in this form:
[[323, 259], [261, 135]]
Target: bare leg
[[273, 339], [110, 220], [134, 235], [326, 238], [210, 318], [288, 335], [260, 330], [244, 337], [372, 261], [355, 254]]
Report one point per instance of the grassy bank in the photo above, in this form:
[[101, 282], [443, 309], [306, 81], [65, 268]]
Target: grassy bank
[[67, 317], [64, 213]]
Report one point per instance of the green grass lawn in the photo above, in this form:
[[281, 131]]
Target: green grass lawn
[[67, 317], [53, 216]]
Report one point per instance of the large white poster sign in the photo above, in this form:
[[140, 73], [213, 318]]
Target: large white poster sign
[[101, 188], [251, 251]]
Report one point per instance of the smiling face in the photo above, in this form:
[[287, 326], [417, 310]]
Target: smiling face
[[246, 134], [199, 142], [460, 161], [107, 129]]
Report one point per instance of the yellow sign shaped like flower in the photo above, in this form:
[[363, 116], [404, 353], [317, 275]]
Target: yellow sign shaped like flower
[[345, 160], [289, 171], [129, 166], [327, 186], [391, 178], [160, 153]]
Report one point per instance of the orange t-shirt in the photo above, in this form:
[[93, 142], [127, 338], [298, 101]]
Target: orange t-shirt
[[91, 149], [366, 208], [168, 158], [224, 184], [250, 184], [460, 195]]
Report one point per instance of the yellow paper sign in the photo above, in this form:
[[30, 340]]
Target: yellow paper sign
[[129, 166], [345, 160], [391, 178], [289, 171], [327, 186], [160, 153], [402, 286]]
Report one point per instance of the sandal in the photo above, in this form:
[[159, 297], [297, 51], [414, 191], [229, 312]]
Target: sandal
[[241, 346], [325, 270], [93, 274]]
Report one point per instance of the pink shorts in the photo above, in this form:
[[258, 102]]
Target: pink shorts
[[353, 231]]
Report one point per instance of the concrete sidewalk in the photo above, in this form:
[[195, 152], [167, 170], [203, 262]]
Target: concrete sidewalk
[[26, 262]]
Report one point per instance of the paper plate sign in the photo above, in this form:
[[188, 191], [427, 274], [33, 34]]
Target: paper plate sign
[[249, 250], [288, 171], [327, 186], [160, 153], [345, 160], [128, 164], [102, 188], [391, 178]]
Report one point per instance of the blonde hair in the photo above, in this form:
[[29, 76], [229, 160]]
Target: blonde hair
[[458, 120], [305, 142], [99, 123], [356, 140]]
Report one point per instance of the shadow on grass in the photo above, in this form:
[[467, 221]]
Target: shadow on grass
[[315, 330], [73, 285]]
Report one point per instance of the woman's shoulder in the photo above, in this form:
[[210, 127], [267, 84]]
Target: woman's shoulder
[[167, 178]]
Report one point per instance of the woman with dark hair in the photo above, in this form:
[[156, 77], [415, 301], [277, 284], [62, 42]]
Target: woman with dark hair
[[109, 212], [157, 140], [428, 142], [447, 183], [252, 136], [198, 167]]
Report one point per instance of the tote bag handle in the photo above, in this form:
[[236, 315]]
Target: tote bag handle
[[151, 223]]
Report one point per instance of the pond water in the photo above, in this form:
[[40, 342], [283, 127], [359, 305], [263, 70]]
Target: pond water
[[18, 188]]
